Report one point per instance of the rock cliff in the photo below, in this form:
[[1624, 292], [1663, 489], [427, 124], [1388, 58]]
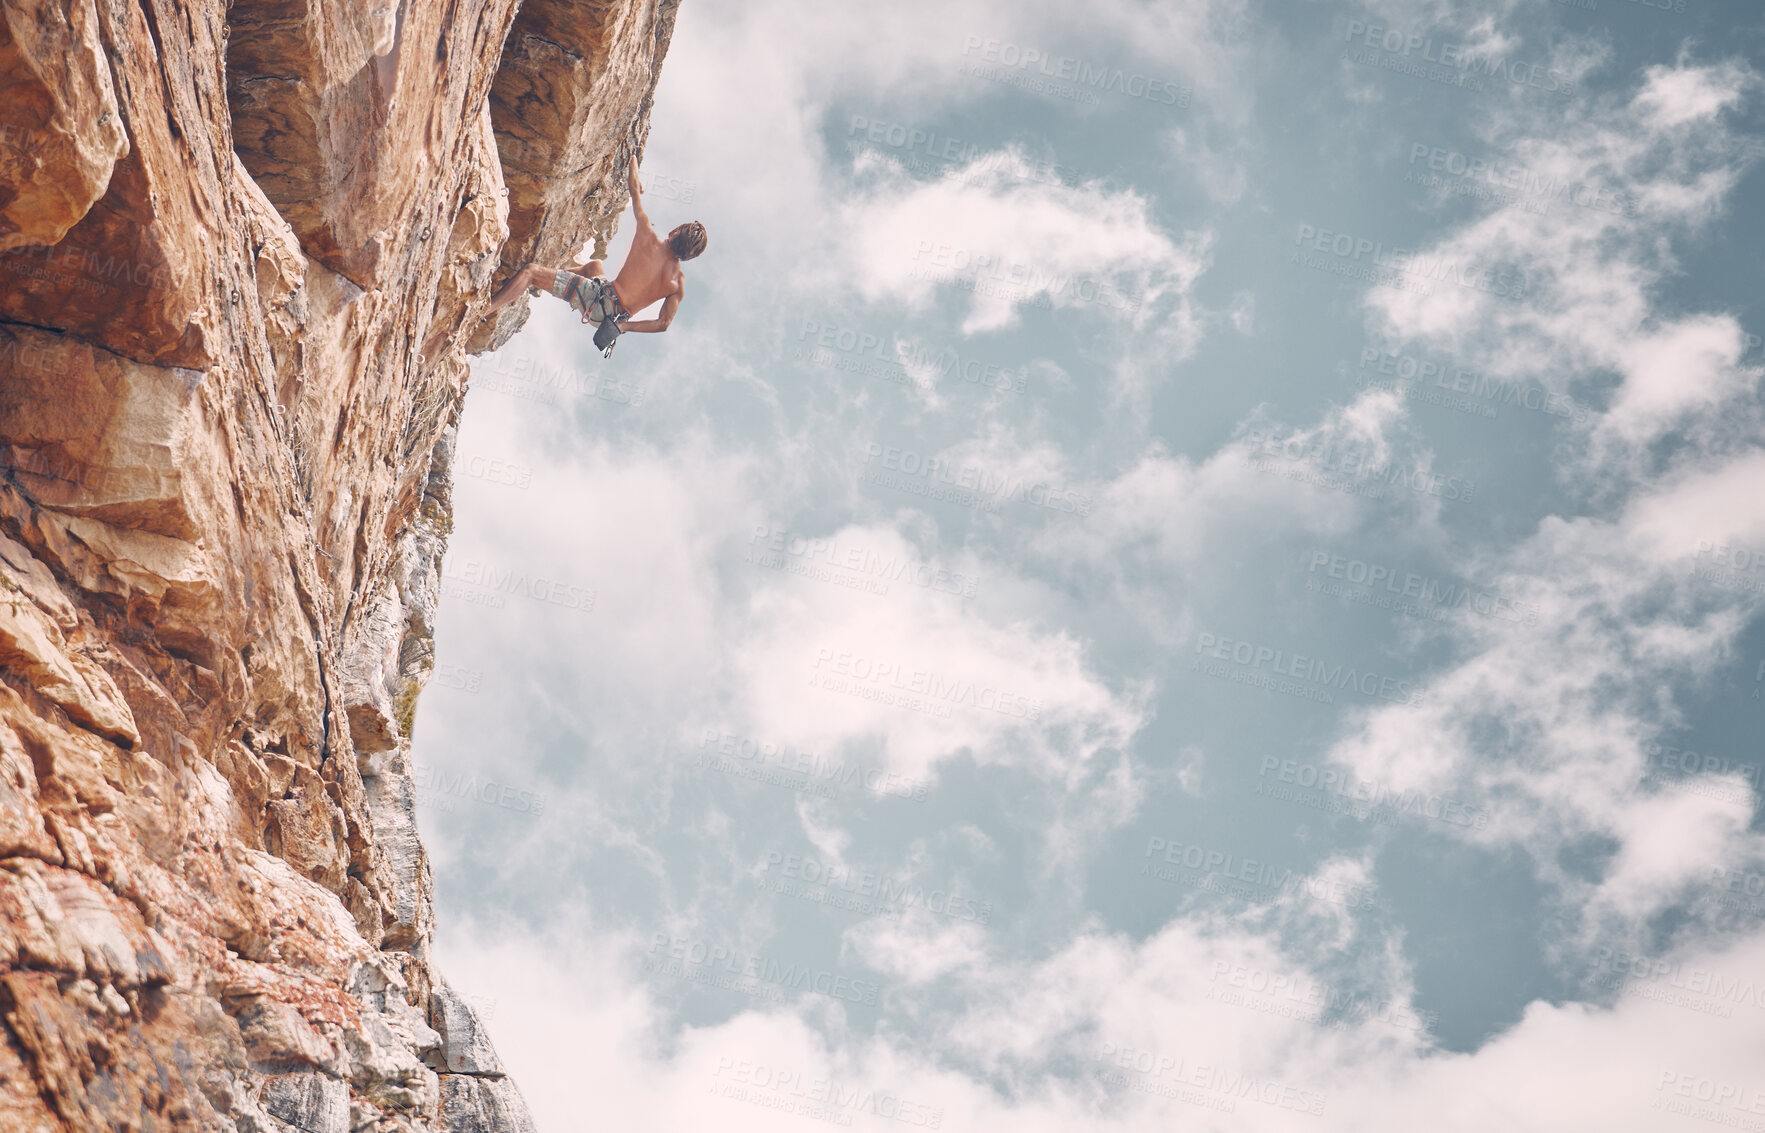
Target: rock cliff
[[244, 251]]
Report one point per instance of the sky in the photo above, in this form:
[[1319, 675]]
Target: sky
[[1182, 566]]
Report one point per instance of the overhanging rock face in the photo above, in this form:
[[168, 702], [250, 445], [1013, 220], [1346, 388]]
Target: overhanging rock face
[[243, 252]]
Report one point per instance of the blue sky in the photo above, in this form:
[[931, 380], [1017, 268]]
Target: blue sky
[[1184, 564]]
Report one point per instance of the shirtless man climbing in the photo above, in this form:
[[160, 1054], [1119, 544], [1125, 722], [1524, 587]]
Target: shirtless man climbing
[[651, 272]]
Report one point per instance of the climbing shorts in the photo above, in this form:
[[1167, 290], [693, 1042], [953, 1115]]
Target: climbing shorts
[[594, 296]]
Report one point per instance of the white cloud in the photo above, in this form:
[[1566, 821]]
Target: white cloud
[[1679, 96], [1624, 619], [821, 666], [918, 947], [1688, 368], [1717, 506], [1632, 176], [636, 527], [823, 832], [1576, 697], [1200, 1022], [1674, 840], [1003, 240], [1154, 530]]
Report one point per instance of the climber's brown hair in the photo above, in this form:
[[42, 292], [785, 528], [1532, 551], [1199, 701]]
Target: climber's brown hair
[[687, 241]]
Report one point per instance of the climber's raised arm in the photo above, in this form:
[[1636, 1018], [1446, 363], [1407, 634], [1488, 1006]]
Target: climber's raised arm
[[636, 188]]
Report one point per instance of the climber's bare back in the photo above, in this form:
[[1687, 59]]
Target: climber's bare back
[[650, 271]]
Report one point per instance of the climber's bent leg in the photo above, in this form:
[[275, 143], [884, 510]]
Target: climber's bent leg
[[533, 275]]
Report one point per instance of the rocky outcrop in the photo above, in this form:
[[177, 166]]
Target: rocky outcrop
[[243, 254], [562, 135]]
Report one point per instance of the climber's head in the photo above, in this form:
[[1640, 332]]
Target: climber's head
[[687, 241]]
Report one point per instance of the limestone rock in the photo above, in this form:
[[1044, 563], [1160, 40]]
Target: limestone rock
[[465, 1047], [310, 1102], [471, 1104], [243, 251]]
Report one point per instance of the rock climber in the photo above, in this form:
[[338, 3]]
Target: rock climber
[[651, 272]]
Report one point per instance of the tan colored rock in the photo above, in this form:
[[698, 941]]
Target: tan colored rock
[[62, 136], [241, 264], [135, 273], [32, 646], [100, 436]]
